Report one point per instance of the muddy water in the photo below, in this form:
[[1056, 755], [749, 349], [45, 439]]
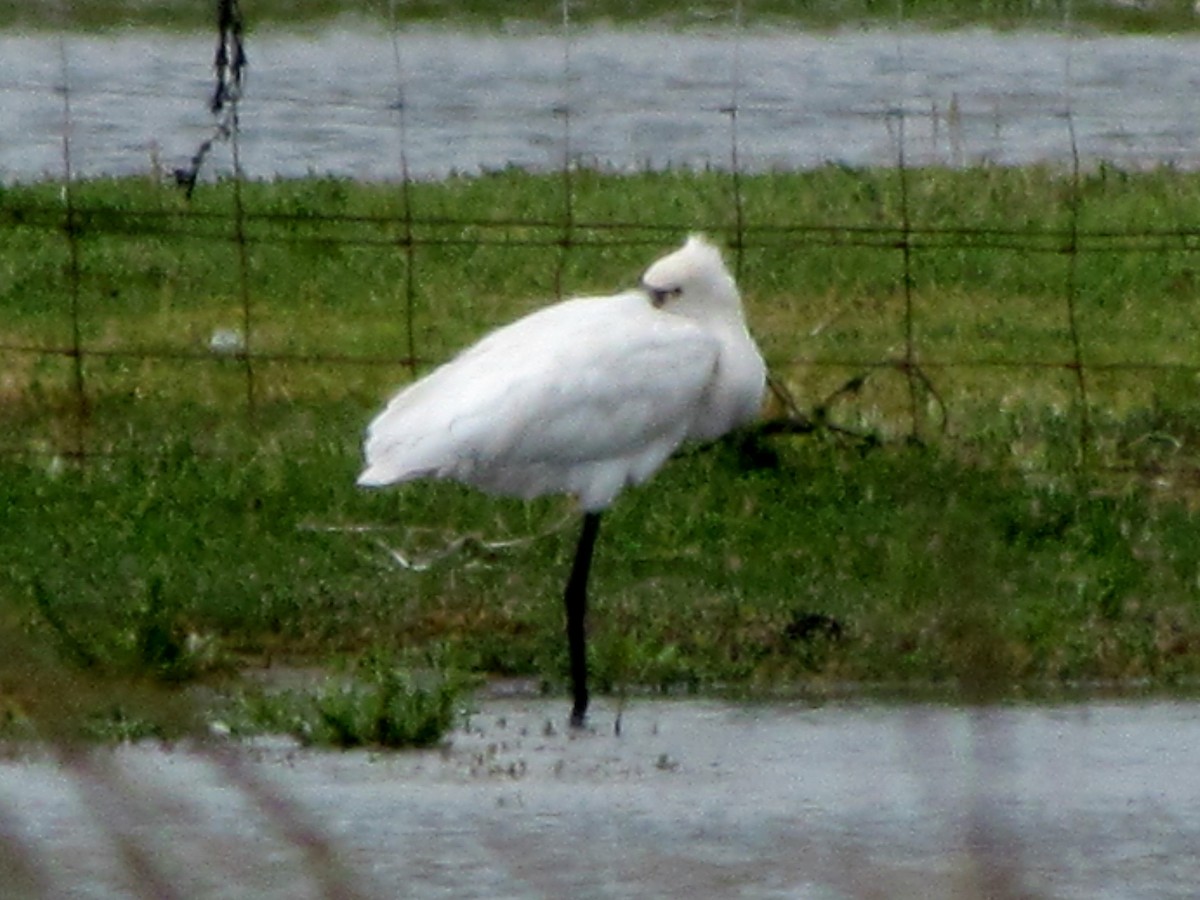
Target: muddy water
[[1099, 800], [327, 102]]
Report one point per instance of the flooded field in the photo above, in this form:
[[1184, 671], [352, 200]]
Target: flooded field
[[691, 799], [329, 102]]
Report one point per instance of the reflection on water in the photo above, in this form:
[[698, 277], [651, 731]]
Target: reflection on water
[[1098, 800], [328, 102]]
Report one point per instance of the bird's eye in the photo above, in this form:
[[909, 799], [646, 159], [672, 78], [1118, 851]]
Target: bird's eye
[[659, 296]]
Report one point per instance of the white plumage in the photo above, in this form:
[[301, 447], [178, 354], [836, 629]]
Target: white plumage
[[583, 397]]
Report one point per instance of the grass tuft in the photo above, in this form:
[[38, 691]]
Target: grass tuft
[[379, 704]]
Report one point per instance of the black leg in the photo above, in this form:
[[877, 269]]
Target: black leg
[[576, 602]]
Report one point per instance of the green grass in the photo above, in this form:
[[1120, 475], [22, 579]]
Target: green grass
[[1165, 15], [326, 276], [204, 533]]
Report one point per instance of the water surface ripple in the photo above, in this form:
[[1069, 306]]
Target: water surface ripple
[[1096, 801], [328, 102]]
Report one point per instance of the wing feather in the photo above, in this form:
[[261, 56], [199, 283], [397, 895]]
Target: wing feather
[[589, 389]]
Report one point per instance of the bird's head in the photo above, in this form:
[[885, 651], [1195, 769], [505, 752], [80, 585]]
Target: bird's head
[[692, 280]]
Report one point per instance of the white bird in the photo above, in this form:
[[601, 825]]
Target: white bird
[[584, 397]]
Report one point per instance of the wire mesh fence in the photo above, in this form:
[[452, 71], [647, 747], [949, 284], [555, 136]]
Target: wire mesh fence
[[727, 115], [921, 227]]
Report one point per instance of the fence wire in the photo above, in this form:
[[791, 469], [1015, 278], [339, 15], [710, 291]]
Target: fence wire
[[562, 236], [410, 229]]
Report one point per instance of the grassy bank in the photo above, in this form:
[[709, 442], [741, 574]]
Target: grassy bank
[[213, 523], [1161, 16]]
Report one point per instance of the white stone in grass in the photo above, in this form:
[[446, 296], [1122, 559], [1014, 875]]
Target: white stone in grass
[[226, 342]]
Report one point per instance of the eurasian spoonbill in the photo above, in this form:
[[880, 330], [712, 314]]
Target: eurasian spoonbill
[[582, 397]]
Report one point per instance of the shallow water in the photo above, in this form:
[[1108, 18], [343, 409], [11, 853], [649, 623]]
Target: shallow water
[[327, 102], [693, 799]]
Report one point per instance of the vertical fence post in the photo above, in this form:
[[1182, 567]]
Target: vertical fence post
[[71, 228], [1071, 286], [567, 234], [239, 236], [406, 206], [910, 363], [735, 163]]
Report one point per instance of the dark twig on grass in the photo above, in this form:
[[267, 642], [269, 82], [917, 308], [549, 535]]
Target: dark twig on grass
[[794, 421], [73, 647], [472, 544]]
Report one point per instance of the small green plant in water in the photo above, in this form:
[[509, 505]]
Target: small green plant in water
[[389, 709], [381, 704]]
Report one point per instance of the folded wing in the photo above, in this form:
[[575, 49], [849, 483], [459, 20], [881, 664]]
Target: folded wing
[[583, 397]]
